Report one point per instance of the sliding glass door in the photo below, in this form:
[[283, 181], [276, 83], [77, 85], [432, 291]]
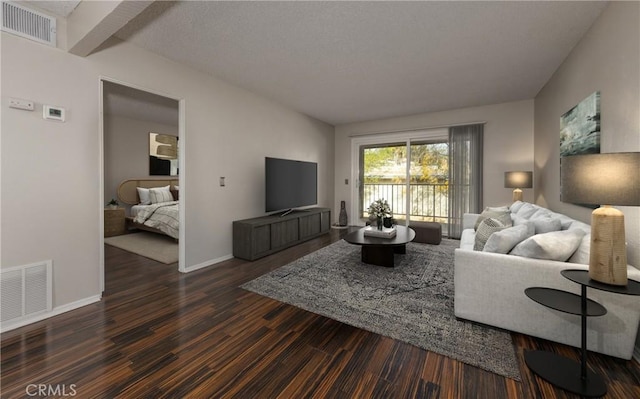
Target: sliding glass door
[[412, 175]]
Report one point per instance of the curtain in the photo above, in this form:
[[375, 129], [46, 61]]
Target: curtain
[[465, 174]]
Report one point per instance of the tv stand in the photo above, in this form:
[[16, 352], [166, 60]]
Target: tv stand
[[262, 236]]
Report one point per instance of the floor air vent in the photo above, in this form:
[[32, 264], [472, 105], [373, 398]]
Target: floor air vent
[[29, 24], [25, 291]]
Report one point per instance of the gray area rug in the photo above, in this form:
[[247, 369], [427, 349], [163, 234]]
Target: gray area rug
[[412, 302], [158, 247]]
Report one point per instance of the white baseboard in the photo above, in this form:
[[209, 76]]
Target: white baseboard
[[636, 353], [208, 263], [45, 315]]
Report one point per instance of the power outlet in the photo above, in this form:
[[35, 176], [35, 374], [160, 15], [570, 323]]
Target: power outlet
[[21, 104]]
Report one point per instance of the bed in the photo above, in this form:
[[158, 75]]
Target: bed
[[154, 204]]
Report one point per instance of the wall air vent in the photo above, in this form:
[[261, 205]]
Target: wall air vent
[[21, 21], [25, 291]]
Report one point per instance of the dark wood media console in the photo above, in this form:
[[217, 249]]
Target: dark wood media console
[[262, 236]]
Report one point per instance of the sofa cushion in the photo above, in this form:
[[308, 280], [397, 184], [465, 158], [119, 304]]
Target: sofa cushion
[[485, 229], [556, 245], [503, 241], [526, 210], [515, 207]]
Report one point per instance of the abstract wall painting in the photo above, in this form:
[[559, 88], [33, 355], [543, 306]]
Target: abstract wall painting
[[580, 128], [580, 131]]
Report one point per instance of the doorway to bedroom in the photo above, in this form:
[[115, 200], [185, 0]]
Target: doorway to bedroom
[[142, 154]]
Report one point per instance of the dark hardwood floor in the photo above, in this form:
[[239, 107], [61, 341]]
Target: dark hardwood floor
[[161, 334]]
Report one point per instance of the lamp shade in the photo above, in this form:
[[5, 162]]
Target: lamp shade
[[601, 179], [518, 179]]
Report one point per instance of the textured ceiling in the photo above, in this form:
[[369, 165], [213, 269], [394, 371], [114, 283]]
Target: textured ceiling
[[352, 61]]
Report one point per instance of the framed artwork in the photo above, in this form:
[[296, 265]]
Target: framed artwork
[[580, 131], [580, 128], [163, 155]]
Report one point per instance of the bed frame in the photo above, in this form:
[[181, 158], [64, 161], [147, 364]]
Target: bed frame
[[128, 194]]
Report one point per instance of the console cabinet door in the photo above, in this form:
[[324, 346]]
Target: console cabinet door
[[261, 239], [284, 233], [309, 225]]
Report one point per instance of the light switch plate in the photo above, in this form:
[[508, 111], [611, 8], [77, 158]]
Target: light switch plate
[[21, 104]]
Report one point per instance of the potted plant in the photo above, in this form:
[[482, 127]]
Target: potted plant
[[380, 209], [113, 204]]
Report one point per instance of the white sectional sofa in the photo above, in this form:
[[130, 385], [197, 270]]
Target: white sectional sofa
[[489, 289]]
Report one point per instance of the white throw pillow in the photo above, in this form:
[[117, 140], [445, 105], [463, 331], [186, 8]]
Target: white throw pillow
[[556, 245], [581, 255], [143, 194], [546, 224], [503, 241], [160, 194]]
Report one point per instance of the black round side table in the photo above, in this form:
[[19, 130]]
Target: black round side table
[[558, 370]]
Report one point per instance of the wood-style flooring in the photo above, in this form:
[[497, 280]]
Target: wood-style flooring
[[161, 334]]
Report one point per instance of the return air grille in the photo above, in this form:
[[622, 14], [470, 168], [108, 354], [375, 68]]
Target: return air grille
[[29, 24], [25, 291]]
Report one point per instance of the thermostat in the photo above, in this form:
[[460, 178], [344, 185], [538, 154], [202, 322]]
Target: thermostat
[[53, 112]]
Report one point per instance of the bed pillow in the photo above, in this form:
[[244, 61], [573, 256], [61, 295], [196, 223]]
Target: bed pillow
[[503, 241], [556, 245], [486, 228], [143, 194], [160, 194]]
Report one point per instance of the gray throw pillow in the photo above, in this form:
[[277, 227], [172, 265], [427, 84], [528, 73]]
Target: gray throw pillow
[[485, 229], [503, 241], [556, 245], [504, 216]]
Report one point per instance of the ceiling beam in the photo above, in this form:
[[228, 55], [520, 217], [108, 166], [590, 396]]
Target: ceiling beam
[[93, 22]]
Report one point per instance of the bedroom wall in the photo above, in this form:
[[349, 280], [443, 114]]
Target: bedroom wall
[[126, 150], [508, 144], [607, 59], [51, 204]]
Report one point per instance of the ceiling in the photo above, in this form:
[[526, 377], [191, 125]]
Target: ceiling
[[344, 62]]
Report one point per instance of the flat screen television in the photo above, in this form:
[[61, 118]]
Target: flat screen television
[[290, 184]]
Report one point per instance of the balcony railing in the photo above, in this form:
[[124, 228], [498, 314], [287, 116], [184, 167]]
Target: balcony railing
[[429, 202]]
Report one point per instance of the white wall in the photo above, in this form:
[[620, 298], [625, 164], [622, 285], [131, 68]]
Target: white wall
[[50, 200], [126, 150], [607, 59], [508, 144]]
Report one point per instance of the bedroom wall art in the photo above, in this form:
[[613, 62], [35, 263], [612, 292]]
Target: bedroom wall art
[[580, 131], [163, 155]]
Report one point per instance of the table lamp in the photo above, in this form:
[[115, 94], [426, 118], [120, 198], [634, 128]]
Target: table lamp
[[604, 179], [518, 181]]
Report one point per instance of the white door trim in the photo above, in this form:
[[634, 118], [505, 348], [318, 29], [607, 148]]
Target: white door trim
[[182, 163]]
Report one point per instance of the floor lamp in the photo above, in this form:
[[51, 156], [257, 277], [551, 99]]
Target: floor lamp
[[599, 179], [518, 181]]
